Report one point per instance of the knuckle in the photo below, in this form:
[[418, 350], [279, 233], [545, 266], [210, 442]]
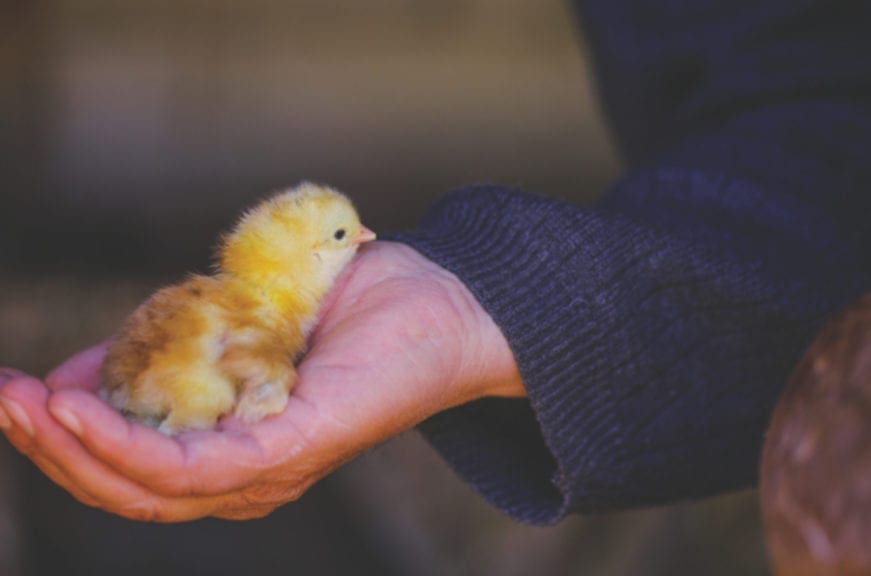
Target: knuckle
[[155, 512], [86, 499], [291, 492], [142, 511], [23, 443], [269, 495], [263, 512], [245, 513]]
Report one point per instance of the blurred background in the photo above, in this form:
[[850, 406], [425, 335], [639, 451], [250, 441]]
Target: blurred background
[[131, 133]]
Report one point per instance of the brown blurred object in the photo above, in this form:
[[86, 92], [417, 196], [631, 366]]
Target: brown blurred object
[[816, 463]]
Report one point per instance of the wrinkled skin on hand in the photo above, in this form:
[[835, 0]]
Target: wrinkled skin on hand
[[400, 339]]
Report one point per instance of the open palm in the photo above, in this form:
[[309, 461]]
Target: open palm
[[400, 340]]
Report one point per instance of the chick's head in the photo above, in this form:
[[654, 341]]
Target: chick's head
[[303, 237]]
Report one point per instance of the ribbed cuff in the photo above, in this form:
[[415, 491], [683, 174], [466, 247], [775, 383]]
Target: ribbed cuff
[[518, 454]]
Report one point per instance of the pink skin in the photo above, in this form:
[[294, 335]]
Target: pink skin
[[400, 340]]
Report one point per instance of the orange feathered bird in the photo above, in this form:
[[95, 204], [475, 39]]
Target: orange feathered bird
[[213, 345]]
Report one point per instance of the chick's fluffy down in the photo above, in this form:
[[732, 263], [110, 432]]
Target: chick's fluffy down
[[226, 343], [187, 352]]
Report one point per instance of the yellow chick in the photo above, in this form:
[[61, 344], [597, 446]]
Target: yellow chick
[[213, 345]]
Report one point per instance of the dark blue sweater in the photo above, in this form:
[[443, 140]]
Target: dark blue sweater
[[655, 330]]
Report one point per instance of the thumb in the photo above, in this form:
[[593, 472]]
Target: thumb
[[82, 371]]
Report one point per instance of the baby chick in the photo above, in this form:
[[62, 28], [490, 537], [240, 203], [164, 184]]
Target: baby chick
[[212, 345]]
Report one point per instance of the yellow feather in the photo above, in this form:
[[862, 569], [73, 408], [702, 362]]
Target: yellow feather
[[198, 350]]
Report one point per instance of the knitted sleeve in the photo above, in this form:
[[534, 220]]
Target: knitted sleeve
[[655, 330]]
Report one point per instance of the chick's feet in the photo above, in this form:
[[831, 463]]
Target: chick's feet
[[265, 378], [261, 400]]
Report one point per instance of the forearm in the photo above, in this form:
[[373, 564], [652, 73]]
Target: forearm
[[651, 353]]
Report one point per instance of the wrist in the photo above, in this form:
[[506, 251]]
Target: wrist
[[493, 370], [484, 364], [452, 352]]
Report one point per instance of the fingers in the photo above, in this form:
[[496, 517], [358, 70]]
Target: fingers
[[139, 453], [196, 464], [7, 375], [38, 436], [238, 514], [50, 469], [60, 455], [81, 371], [19, 400], [57, 453], [16, 390], [19, 430]]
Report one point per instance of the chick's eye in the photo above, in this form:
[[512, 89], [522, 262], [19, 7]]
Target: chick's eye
[[340, 233]]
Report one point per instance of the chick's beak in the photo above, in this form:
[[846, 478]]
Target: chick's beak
[[364, 235]]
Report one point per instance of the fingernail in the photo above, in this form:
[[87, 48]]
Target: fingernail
[[67, 419], [5, 422], [18, 416]]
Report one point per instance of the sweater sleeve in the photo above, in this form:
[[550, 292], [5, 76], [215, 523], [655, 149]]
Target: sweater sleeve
[[654, 330]]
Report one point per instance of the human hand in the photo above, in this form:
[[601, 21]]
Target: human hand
[[400, 340]]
